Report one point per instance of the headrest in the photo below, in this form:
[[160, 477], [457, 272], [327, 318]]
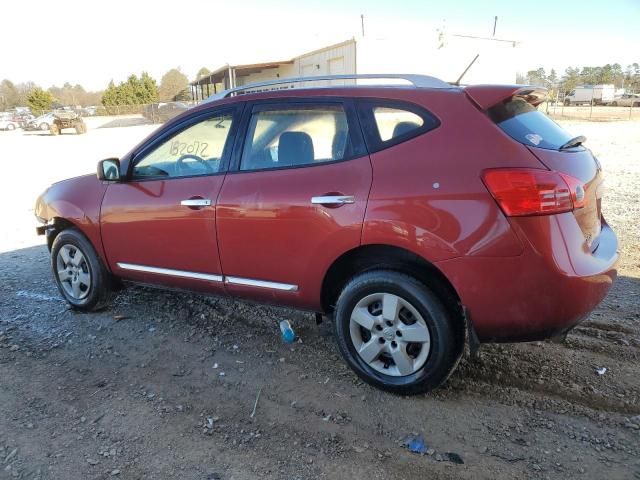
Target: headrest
[[295, 148]]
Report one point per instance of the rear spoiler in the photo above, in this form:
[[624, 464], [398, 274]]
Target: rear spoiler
[[486, 96]]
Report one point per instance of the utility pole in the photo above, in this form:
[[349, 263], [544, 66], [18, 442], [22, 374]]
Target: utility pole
[[362, 23]]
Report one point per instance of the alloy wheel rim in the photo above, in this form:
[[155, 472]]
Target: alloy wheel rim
[[73, 272], [389, 334]]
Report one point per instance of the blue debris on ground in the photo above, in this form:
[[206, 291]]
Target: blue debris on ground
[[417, 445]]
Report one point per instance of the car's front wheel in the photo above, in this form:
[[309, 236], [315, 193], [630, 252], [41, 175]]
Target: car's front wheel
[[395, 333], [80, 275]]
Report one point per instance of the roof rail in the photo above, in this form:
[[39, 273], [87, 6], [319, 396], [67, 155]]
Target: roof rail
[[418, 81]]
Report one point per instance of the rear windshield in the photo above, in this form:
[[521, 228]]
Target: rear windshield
[[525, 124]]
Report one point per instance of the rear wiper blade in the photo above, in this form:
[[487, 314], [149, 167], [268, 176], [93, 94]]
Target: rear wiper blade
[[574, 142]]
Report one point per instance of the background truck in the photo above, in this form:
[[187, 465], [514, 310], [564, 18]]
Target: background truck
[[67, 119], [600, 94]]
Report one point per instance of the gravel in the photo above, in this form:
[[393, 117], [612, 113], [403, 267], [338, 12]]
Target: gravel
[[131, 392]]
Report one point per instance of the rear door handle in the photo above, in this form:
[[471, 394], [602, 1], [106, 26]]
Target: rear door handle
[[196, 202], [333, 200]]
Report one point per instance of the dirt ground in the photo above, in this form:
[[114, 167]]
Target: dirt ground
[[168, 391]]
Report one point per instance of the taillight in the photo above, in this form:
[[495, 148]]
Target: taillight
[[521, 191]]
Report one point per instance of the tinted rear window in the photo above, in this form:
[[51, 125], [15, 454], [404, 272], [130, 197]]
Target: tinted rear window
[[526, 124]]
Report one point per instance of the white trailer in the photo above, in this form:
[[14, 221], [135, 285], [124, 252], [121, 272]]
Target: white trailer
[[585, 94]]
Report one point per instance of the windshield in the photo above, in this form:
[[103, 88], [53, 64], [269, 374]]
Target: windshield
[[526, 124]]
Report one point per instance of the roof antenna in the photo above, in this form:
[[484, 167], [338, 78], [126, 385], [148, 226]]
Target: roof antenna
[[362, 22], [457, 82], [495, 23]]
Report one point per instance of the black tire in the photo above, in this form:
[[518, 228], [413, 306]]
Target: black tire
[[99, 292], [443, 353], [614, 104]]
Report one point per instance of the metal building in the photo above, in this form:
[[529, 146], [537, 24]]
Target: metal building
[[440, 55]]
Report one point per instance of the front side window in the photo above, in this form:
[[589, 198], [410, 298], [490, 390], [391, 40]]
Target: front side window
[[196, 150], [296, 136]]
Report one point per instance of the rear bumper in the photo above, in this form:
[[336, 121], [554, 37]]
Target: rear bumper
[[546, 291]]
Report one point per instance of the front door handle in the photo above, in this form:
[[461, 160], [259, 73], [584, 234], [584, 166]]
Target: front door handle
[[333, 200], [196, 202]]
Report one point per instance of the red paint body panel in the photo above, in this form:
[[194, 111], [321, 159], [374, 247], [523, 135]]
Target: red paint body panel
[[269, 230], [458, 216], [580, 164], [548, 289], [76, 200], [143, 223]]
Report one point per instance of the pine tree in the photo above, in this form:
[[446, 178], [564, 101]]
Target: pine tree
[[40, 101], [134, 91]]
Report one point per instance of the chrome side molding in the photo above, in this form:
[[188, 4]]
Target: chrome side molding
[[174, 273], [247, 282]]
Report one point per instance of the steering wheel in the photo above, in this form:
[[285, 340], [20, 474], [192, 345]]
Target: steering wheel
[[184, 169]]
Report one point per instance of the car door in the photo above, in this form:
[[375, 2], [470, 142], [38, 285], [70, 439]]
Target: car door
[[295, 200], [158, 225]]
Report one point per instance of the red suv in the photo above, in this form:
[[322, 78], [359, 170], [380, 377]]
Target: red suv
[[420, 217]]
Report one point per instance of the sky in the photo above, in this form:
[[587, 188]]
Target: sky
[[94, 41]]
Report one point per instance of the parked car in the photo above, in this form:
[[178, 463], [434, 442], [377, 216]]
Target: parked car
[[89, 111], [22, 117], [8, 123], [43, 122], [627, 100], [67, 119], [418, 218]]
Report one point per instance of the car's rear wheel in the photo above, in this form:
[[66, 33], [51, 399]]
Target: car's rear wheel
[[11, 126], [614, 104], [395, 333], [44, 127], [81, 277]]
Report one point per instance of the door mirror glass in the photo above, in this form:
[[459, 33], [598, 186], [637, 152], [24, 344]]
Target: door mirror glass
[[109, 170]]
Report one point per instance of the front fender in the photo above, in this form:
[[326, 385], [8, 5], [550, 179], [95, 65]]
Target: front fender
[[76, 201]]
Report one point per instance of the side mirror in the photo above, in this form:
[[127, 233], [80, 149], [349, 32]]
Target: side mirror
[[109, 170]]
